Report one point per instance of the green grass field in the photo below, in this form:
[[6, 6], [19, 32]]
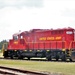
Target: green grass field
[[52, 67], [64, 68]]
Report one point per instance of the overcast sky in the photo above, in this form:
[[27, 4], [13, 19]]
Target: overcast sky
[[24, 15]]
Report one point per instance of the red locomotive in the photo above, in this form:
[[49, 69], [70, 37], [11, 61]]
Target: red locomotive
[[49, 43]]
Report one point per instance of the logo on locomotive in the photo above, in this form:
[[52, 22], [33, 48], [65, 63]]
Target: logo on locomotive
[[50, 38]]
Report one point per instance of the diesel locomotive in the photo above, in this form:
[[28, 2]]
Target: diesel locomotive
[[44, 43]]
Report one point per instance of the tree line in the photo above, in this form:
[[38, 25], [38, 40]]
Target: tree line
[[2, 42]]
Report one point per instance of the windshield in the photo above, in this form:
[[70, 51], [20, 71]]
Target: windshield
[[15, 37], [69, 32]]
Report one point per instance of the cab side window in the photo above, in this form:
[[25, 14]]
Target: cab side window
[[15, 37]]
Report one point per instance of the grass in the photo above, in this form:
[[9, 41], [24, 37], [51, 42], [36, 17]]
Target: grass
[[1, 54], [52, 67], [66, 68]]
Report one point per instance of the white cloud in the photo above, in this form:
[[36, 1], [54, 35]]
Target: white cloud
[[21, 3], [52, 14]]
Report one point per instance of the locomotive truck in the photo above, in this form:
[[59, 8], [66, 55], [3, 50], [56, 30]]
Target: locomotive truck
[[49, 43]]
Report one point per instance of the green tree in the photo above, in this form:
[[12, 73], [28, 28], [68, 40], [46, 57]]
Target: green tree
[[2, 42]]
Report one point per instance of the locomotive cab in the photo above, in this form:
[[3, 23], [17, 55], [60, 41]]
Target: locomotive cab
[[16, 46]]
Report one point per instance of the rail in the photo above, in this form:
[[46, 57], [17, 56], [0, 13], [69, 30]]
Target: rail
[[13, 71]]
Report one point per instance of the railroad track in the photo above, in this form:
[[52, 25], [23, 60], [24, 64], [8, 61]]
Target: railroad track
[[41, 60], [13, 71]]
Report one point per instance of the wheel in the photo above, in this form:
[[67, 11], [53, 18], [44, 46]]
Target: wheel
[[5, 57], [28, 58], [5, 54], [63, 57], [70, 59], [48, 57], [57, 57], [11, 57], [20, 57]]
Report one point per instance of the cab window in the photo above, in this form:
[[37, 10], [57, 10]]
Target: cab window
[[21, 37], [15, 37], [69, 32]]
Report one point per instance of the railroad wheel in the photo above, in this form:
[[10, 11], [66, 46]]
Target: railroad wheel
[[49, 57], [11, 57], [63, 57], [21, 57], [28, 58], [5, 57], [5, 54], [57, 58], [70, 59]]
